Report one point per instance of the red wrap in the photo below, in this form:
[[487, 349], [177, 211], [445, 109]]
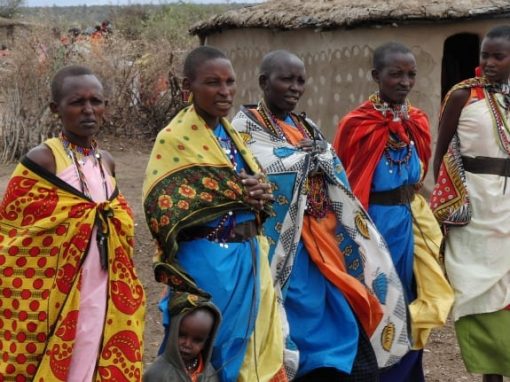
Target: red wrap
[[362, 136]]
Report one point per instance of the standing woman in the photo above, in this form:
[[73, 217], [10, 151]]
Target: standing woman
[[204, 198], [471, 200], [326, 249], [385, 147], [72, 305]]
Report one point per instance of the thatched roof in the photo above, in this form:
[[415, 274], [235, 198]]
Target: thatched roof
[[332, 14], [4, 23]]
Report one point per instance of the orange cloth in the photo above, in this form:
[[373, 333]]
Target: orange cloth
[[200, 368], [326, 255]]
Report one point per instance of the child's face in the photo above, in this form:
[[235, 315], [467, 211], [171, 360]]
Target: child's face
[[193, 333]]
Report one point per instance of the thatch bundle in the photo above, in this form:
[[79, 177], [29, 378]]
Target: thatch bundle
[[331, 14]]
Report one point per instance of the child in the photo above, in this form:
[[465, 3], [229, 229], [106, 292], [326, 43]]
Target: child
[[188, 349]]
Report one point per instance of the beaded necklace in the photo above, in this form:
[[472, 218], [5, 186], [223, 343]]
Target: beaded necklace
[[227, 221], [500, 120], [273, 123], [317, 200], [78, 156], [192, 366], [397, 162], [229, 148], [399, 113]]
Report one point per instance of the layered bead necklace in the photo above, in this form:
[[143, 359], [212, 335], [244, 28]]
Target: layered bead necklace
[[227, 221], [273, 123], [79, 155], [400, 113], [317, 200], [229, 148], [500, 120]]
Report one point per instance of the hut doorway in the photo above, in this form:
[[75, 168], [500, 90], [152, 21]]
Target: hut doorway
[[460, 58]]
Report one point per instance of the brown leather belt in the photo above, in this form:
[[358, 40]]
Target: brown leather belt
[[239, 233], [487, 165], [401, 195]]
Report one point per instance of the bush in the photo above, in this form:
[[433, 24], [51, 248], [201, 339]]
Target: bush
[[140, 80], [138, 64], [10, 8]]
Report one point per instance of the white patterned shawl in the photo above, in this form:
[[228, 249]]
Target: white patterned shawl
[[276, 156]]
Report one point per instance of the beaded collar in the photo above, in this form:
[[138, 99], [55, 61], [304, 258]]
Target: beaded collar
[[273, 125], [78, 155], [81, 151], [398, 112]]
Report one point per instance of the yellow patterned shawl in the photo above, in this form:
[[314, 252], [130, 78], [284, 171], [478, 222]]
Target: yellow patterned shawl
[[45, 230], [189, 181]]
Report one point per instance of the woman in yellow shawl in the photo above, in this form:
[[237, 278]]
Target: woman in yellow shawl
[[72, 307], [204, 198]]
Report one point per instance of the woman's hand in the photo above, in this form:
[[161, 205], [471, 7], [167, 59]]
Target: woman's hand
[[311, 146], [258, 190]]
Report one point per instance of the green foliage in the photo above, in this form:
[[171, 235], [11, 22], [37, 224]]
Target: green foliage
[[173, 21], [130, 21], [170, 21], [10, 8]]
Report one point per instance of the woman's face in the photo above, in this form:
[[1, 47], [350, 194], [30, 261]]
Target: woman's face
[[284, 85], [495, 59], [396, 78], [213, 89], [81, 107]]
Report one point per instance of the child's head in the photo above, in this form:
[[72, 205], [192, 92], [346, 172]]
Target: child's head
[[495, 54], [194, 332]]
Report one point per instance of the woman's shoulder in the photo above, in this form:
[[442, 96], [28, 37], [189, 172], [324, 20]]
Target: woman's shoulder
[[108, 161], [417, 112], [43, 156], [458, 97]]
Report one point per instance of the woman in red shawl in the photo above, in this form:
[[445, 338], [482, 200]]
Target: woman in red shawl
[[384, 145]]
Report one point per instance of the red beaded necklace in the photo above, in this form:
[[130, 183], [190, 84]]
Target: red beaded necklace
[[79, 153], [273, 123]]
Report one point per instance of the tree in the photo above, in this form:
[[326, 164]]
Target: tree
[[9, 8]]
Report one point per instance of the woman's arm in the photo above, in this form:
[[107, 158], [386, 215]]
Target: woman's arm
[[448, 125]]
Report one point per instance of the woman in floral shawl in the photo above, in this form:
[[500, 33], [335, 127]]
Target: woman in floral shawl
[[331, 268], [204, 198]]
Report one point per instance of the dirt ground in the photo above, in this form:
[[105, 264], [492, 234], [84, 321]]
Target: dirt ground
[[442, 361]]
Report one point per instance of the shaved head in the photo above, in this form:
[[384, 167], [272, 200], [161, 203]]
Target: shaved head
[[275, 59], [382, 52]]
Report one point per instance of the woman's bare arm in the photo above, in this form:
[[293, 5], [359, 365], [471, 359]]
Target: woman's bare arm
[[448, 125]]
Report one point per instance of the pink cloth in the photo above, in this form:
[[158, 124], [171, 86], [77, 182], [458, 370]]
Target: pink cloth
[[94, 282]]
